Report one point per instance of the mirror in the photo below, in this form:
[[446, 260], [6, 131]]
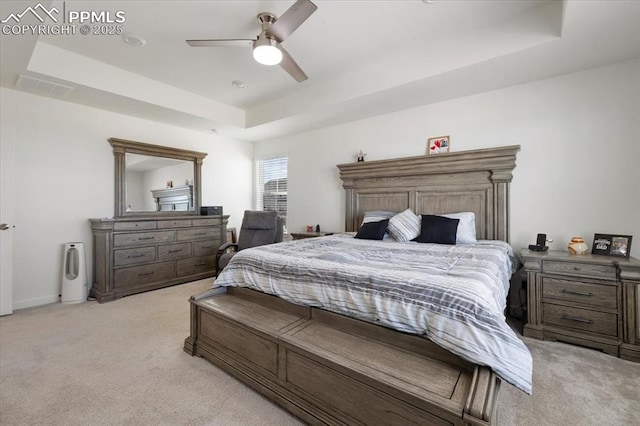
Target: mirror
[[158, 184], [155, 180]]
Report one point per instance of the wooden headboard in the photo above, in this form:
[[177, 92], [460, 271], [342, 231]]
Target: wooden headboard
[[467, 181]]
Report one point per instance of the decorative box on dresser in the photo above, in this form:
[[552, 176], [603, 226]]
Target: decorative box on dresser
[[589, 300], [136, 254]]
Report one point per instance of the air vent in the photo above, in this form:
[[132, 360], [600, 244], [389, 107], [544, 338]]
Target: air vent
[[41, 86]]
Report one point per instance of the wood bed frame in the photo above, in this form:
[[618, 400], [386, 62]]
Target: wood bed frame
[[327, 368]]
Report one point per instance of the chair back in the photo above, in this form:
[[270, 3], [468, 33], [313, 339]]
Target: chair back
[[259, 228], [280, 230]]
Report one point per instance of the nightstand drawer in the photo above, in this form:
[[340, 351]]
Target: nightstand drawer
[[578, 268], [581, 319], [580, 292]]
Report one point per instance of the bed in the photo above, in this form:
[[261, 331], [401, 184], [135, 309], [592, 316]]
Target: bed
[[333, 364]]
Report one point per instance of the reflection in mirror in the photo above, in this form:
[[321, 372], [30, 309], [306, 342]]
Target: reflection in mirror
[[155, 180], [158, 184]]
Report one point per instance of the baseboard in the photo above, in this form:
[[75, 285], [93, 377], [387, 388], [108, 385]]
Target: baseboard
[[30, 303]]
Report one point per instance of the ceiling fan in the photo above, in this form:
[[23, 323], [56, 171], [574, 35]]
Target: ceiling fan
[[266, 47]]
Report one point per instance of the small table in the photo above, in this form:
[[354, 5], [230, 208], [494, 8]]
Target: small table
[[303, 235]]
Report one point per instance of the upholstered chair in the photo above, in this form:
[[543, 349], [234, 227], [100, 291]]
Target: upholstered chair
[[258, 228]]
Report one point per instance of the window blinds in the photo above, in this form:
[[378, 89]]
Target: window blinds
[[271, 185]]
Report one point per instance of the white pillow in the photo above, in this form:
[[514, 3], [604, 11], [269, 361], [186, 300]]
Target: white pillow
[[405, 226], [466, 233], [376, 216]]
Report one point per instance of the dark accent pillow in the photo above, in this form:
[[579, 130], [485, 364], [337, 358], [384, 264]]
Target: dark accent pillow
[[373, 230], [437, 229]]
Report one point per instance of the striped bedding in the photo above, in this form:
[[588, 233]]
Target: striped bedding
[[455, 295]]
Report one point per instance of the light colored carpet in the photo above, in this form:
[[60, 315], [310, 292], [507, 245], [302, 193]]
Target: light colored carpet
[[122, 363]]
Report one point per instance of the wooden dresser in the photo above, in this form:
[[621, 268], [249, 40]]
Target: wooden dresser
[[589, 300], [132, 255]]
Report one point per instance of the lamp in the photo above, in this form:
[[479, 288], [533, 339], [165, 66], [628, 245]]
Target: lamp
[[266, 52]]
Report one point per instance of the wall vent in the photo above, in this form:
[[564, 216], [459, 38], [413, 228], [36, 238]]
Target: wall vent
[[41, 86]]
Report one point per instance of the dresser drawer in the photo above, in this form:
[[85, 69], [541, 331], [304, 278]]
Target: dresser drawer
[[209, 221], [135, 226], [137, 275], [178, 223], [174, 251], [198, 234], [580, 319], [578, 268], [580, 292], [135, 255], [206, 247], [195, 265], [138, 238]]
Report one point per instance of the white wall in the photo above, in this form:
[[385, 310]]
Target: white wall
[[64, 174], [578, 171]]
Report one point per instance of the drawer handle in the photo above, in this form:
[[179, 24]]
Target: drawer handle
[[200, 264], [577, 319], [146, 238], [133, 256], [576, 268], [200, 233], [209, 246], [145, 274], [577, 293], [175, 251]]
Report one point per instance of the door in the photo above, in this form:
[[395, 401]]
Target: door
[[7, 181]]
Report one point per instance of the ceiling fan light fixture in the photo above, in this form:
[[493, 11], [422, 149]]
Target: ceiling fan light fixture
[[266, 52]]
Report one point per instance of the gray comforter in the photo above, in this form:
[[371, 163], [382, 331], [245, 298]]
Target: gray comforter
[[453, 295]]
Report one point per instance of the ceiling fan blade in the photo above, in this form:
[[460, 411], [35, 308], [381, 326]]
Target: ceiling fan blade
[[291, 19], [234, 42], [290, 66]]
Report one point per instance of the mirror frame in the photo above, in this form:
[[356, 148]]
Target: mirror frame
[[122, 146]]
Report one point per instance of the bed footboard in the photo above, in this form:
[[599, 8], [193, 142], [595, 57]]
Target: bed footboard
[[330, 369]]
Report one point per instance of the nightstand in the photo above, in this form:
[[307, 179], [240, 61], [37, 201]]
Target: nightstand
[[303, 235], [589, 300]]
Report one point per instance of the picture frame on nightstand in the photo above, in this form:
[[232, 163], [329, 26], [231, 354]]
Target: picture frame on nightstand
[[612, 245]]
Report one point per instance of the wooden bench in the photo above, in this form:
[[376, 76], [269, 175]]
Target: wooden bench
[[329, 369]]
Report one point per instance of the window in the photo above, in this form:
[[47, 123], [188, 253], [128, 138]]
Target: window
[[271, 185]]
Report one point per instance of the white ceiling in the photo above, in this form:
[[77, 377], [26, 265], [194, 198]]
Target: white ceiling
[[362, 57]]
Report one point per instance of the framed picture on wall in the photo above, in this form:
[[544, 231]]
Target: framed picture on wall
[[438, 145], [611, 245]]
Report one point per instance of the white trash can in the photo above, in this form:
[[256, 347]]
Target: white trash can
[[74, 274]]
